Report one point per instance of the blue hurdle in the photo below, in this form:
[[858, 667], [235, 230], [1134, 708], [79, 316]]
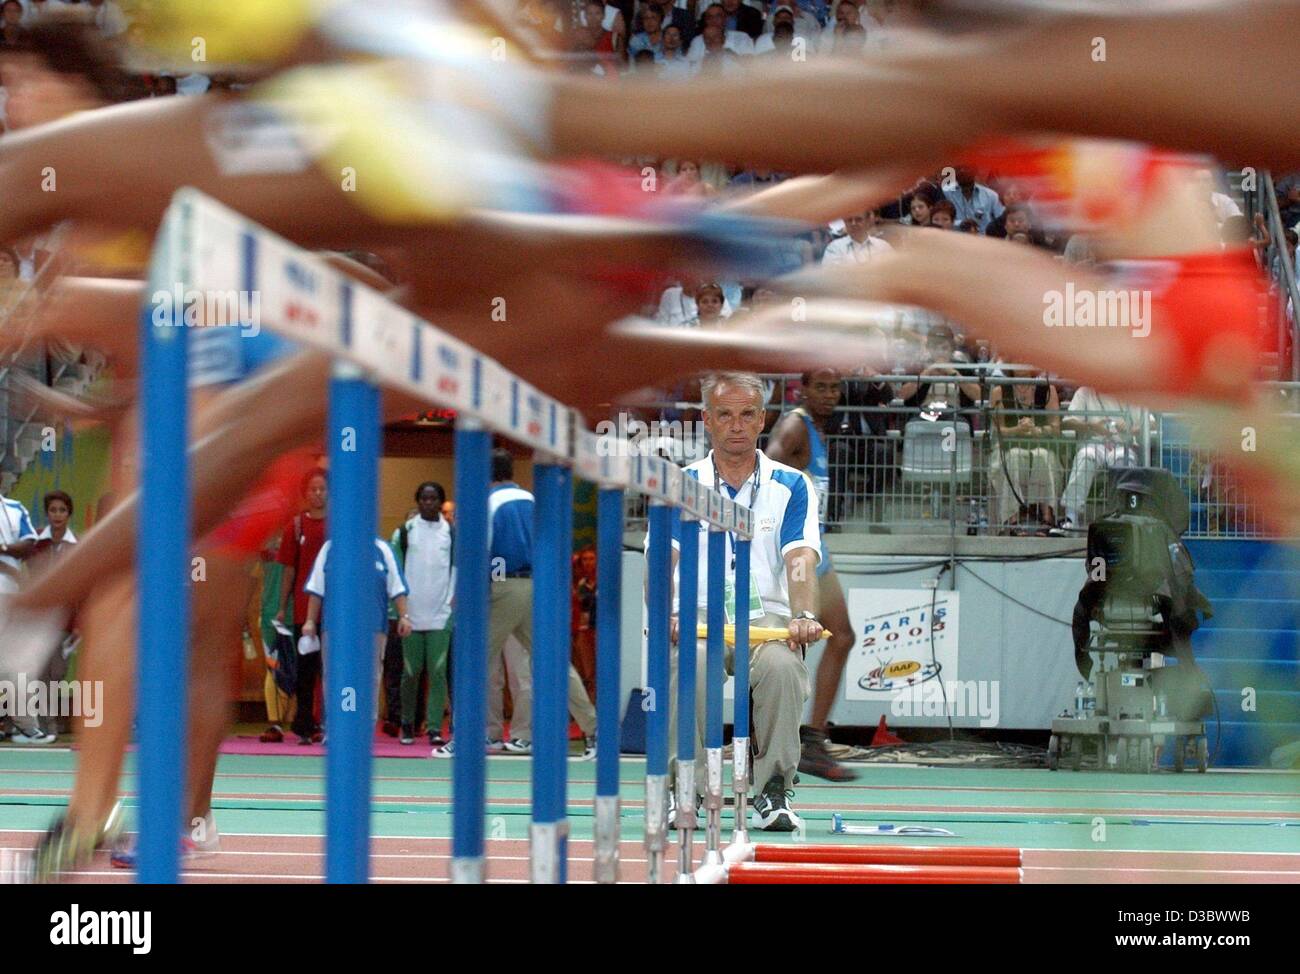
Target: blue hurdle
[[164, 599], [688, 576], [206, 247]]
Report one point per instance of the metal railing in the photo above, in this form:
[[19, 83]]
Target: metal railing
[[924, 469]]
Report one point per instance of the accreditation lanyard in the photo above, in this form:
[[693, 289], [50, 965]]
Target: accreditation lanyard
[[753, 496]]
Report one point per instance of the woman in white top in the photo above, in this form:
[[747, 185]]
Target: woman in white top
[[57, 533]]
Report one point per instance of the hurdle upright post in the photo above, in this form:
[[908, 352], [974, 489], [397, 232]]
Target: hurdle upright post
[[655, 701], [714, 678], [163, 602], [469, 652], [350, 693], [740, 735], [688, 572], [552, 545], [609, 588]]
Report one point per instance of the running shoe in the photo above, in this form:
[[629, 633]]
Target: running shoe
[[816, 761], [772, 811], [516, 746], [61, 849], [272, 735], [408, 734], [36, 736], [589, 747]]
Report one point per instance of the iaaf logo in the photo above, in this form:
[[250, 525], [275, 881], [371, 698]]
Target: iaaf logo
[[1086, 308], [450, 362], [898, 674], [181, 308]]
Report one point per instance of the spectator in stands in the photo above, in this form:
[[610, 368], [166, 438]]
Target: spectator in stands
[[743, 18], [1018, 221], [943, 215], [1011, 194], [972, 200], [671, 15], [449, 512], [778, 44], [941, 399], [673, 63], [651, 36], [735, 41], [756, 177], [1026, 473], [849, 41], [863, 456], [967, 226], [424, 546], [14, 35], [1104, 428], [709, 302], [858, 245], [1223, 205], [919, 208], [717, 57], [300, 544], [847, 15], [687, 182], [38, 10], [606, 23], [677, 304], [802, 23], [1288, 198]]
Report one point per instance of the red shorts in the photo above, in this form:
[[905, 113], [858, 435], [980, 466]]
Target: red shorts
[[1210, 307], [1080, 185], [265, 508]]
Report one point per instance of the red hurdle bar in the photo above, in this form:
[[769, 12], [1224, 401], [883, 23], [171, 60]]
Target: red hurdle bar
[[883, 855], [821, 873]]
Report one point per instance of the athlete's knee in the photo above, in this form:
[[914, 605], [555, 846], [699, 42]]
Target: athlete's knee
[[838, 644]]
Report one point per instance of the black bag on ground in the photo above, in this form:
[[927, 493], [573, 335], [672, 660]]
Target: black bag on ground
[[284, 659]]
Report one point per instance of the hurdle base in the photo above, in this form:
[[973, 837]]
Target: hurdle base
[[715, 873], [468, 870]]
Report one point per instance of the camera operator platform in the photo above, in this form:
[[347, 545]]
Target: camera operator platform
[[1132, 636]]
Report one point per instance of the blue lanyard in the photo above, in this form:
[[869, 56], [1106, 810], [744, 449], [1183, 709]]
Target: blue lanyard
[[753, 496]]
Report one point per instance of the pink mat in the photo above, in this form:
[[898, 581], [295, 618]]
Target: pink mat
[[382, 747]]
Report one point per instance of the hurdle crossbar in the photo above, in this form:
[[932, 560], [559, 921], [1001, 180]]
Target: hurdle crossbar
[[206, 248]]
